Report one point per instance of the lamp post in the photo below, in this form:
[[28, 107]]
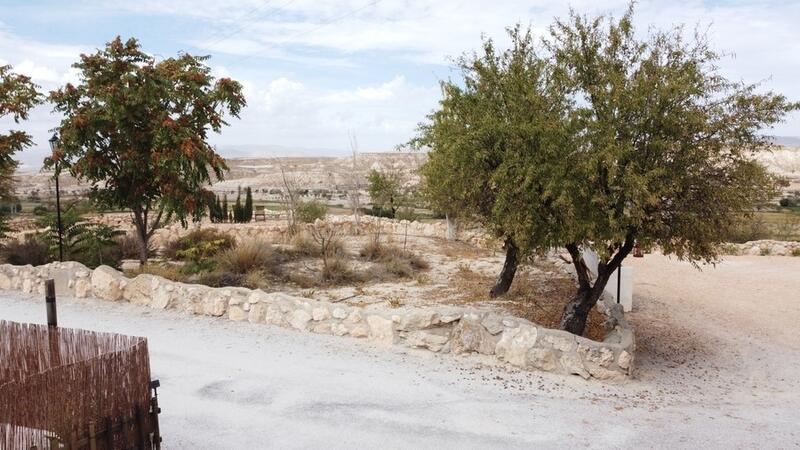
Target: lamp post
[[53, 147]]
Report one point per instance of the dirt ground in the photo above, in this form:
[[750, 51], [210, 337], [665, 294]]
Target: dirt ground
[[717, 367]]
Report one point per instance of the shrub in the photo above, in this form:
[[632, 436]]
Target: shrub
[[395, 260], [337, 271], [168, 271], [32, 249], [765, 250], [217, 278], [748, 229], [223, 241], [255, 279], [406, 213], [796, 251], [304, 245], [309, 212], [128, 246], [40, 210], [248, 256]]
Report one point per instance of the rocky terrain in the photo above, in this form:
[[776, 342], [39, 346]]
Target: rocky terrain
[[328, 173]]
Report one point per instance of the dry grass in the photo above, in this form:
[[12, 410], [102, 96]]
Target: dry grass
[[456, 249], [392, 260], [250, 255], [168, 271], [255, 279], [538, 296]]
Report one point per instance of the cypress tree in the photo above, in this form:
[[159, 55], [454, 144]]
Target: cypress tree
[[248, 205], [225, 213]]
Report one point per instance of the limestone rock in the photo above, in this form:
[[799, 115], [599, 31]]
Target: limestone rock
[[83, 288], [107, 283], [470, 336], [432, 341], [493, 323], [299, 319], [322, 328], [360, 330], [5, 281], [624, 361], [257, 313], [418, 320], [381, 330], [572, 364], [139, 290], [320, 313], [237, 313], [515, 343], [542, 359], [164, 294], [339, 313]]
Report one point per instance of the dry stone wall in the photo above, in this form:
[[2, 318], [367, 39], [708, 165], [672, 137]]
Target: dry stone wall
[[445, 329]]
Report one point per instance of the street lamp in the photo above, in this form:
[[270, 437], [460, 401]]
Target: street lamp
[[53, 147]]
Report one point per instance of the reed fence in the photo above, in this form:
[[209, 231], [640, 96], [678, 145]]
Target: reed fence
[[72, 389]]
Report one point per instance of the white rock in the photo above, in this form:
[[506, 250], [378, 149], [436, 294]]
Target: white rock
[[299, 319], [320, 313], [381, 330], [83, 288], [625, 359], [470, 336], [572, 363], [5, 281], [493, 323], [107, 283], [339, 313], [237, 313], [515, 343], [418, 320], [431, 341]]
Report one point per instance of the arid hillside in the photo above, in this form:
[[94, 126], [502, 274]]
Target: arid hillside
[[264, 174]]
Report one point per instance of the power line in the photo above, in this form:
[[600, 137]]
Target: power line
[[245, 25]]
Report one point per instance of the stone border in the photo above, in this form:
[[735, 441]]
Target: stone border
[[445, 329]]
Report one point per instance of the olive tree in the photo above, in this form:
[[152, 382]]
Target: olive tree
[[137, 130], [618, 139], [502, 111]]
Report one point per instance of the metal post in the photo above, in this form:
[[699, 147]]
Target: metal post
[[619, 281], [50, 302], [58, 216]]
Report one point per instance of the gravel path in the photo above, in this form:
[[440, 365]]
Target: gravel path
[[717, 368]]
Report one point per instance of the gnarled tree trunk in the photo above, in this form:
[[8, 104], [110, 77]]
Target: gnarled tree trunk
[[577, 310], [509, 270]]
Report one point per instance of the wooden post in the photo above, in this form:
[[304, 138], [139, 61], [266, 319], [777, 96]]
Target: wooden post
[[92, 436], [50, 302]]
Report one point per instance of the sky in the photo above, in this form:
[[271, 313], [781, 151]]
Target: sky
[[316, 71]]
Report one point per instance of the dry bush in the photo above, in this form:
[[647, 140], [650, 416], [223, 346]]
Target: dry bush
[[248, 256], [255, 279], [128, 246], [217, 278], [337, 271], [168, 271], [195, 238], [796, 251], [31, 250], [394, 260], [303, 245], [372, 250]]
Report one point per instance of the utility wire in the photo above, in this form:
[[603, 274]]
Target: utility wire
[[245, 25]]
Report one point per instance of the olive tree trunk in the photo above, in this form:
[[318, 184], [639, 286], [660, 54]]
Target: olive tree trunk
[[577, 310], [509, 270]]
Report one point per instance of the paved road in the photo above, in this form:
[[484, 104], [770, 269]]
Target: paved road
[[236, 385]]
